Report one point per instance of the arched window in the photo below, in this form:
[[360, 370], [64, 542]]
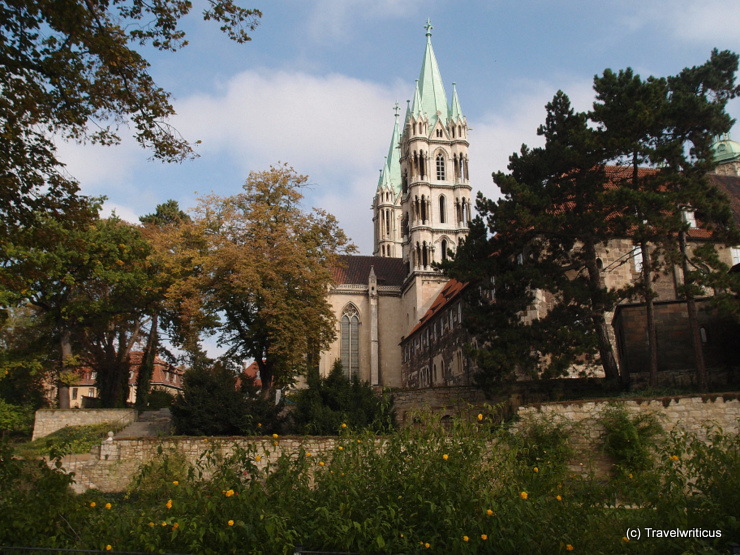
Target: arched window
[[442, 209], [444, 250], [440, 167], [350, 342]]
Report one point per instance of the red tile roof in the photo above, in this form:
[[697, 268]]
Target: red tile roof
[[162, 373], [355, 270], [449, 293]]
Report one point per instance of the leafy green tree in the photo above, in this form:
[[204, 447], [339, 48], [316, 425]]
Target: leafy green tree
[[74, 70], [266, 272]]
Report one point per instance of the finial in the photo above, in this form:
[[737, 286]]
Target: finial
[[429, 27], [396, 108]]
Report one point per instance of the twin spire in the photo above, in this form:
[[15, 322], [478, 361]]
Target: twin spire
[[430, 101]]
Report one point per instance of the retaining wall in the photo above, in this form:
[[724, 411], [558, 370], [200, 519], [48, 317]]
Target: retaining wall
[[51, 420]]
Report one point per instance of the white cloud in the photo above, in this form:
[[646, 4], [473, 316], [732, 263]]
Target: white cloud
[[123, 212], [715, 22]]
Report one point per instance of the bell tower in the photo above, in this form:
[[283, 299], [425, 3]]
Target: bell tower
[[435, 186]]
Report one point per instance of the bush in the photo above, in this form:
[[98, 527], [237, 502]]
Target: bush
[[628, 439], [159, 399], [430, 488], [212, 404], [329, 402]]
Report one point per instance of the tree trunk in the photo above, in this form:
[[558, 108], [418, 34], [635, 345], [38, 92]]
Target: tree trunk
[[65, 344], [650, 313], [596, 287], [146, 369], [702, 377]]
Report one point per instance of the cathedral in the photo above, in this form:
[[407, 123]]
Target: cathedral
[[399, 319], [421, 210]]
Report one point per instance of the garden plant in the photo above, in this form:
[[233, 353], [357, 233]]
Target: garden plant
[[468, 487]]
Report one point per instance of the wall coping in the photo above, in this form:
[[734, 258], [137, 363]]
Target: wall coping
[[665, 400]]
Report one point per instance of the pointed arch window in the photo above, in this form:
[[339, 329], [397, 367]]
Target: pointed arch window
[[350, 341], [442, 209], [444, 250], [440, 168]]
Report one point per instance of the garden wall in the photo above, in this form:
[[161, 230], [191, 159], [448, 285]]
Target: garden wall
[[51, 420], [112, 465], [688, 413]]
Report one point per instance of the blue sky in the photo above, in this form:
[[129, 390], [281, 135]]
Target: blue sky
[[316, 87]]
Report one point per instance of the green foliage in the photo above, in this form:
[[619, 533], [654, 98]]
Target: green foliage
[[68, 440], [211, 403], [15, 419], [629, 440], [329, 402], [461, 488], [544, 446]]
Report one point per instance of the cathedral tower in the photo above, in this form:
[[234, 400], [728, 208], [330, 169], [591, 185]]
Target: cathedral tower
[[387, 202], [435, 186]]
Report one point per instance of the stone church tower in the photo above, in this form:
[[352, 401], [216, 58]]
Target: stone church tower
[[421, 210]]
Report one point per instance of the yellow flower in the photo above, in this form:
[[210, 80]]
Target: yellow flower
[[259, 424], [569, 547], [258, 458], [151, 525], [427, 545], [535, 469], [230, 523], [92, 504], [489, 512], [275, 443], [558, 498], [445, 456], [674, 457], [466, 539], [229, 493], [480, 417], [164, 523], [308, 454], [275, 436], [340, 448], [175, 526], [629, 475], [108, 505], [523, 495], [344, 425], [321, 463], [175, 483], [625, 539], [484, 537], [168, 504], [108, 547]]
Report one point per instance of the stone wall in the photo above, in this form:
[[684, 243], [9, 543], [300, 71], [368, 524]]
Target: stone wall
[[685, 412], [51, 420], [112, 465]]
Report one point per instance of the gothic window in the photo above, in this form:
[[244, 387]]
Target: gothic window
[[425, 255], [444, 250], [442, 209], [405, 182], [350, 342], [440, 168], [439, 133], [637, 258]]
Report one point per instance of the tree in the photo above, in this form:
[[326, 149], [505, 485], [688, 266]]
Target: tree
[[539, 245], [71, 70], [266, 273], [669, 124]]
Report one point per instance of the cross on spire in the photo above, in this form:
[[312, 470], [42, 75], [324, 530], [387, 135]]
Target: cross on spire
[[396, 109], [429, 27]]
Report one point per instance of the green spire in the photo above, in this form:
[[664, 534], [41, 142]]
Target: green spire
[[390, 175], [455, 110], [432, 96]]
